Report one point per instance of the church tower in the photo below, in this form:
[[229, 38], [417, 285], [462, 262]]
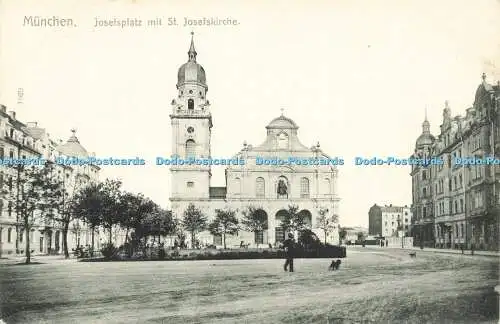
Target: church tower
[[191, 131]]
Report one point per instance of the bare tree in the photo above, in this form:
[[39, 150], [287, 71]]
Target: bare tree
[[326, 222], [34, 198]]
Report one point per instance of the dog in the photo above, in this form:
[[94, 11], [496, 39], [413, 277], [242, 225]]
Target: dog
[[413, 254], [334, 265]]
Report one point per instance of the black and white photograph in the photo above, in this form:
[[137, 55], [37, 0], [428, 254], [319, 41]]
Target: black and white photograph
[[321, 161]]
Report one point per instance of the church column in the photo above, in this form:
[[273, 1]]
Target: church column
[[334, 183], [271, 229]]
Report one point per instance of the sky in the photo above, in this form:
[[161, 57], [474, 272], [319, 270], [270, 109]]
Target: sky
[[357, 76]]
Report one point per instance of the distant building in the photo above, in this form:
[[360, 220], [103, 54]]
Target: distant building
[[456, 204], [20, 140], [389, 220], [353, 232]]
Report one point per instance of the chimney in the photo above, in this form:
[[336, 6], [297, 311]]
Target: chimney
[[3, 108], [390, 205], [31, 124], [12, 114]]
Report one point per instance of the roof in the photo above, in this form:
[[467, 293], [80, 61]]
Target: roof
[[282, 122], [73, 148]]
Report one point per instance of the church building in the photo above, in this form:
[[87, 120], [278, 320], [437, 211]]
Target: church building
[[269, 188]]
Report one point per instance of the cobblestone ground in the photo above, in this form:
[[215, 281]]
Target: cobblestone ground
[[385, 286]]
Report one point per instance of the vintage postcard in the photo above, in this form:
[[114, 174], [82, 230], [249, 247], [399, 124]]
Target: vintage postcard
[[167, 161]]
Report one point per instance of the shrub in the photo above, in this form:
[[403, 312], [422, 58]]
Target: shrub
[[109, 251]]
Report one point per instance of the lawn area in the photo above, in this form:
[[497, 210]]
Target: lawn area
[[372, 286]]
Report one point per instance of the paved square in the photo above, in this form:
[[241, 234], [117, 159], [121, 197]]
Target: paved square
[[372, 286]]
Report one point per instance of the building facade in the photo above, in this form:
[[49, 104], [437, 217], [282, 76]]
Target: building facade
[[456, 204], [20, 140], [352, 234], [269, 188], [389, 221]]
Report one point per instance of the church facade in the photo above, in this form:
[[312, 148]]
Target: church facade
[[270, 188]]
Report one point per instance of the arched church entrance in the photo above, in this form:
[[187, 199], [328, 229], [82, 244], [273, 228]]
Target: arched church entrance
[[261, 221], [279, 233]]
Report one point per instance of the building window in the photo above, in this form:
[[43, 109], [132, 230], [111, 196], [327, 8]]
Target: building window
[[217, 240], [456, 207], [424, 192], [328, 187], [190, 103], [259, 237], [237, 186], [461, 205], [279, 234], [462, 230], [21, 232], [190, 149], [2, 152], [9, 235], [190, 184], [9, 208], [304, 188], [1, 230], [424, 175], [282, 141], [260, 187], [424, 212], [11, 154]]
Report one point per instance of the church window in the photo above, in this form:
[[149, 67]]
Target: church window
[[191, 91], [328, 188], [190, 104], [190, 148], [9, 235], [260, 188], [259, 237], [190, 129], [304, 188], [190, 184], [282, 141], [237, 186]]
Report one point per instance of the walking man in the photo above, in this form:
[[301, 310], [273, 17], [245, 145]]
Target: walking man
[[289, 246]]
